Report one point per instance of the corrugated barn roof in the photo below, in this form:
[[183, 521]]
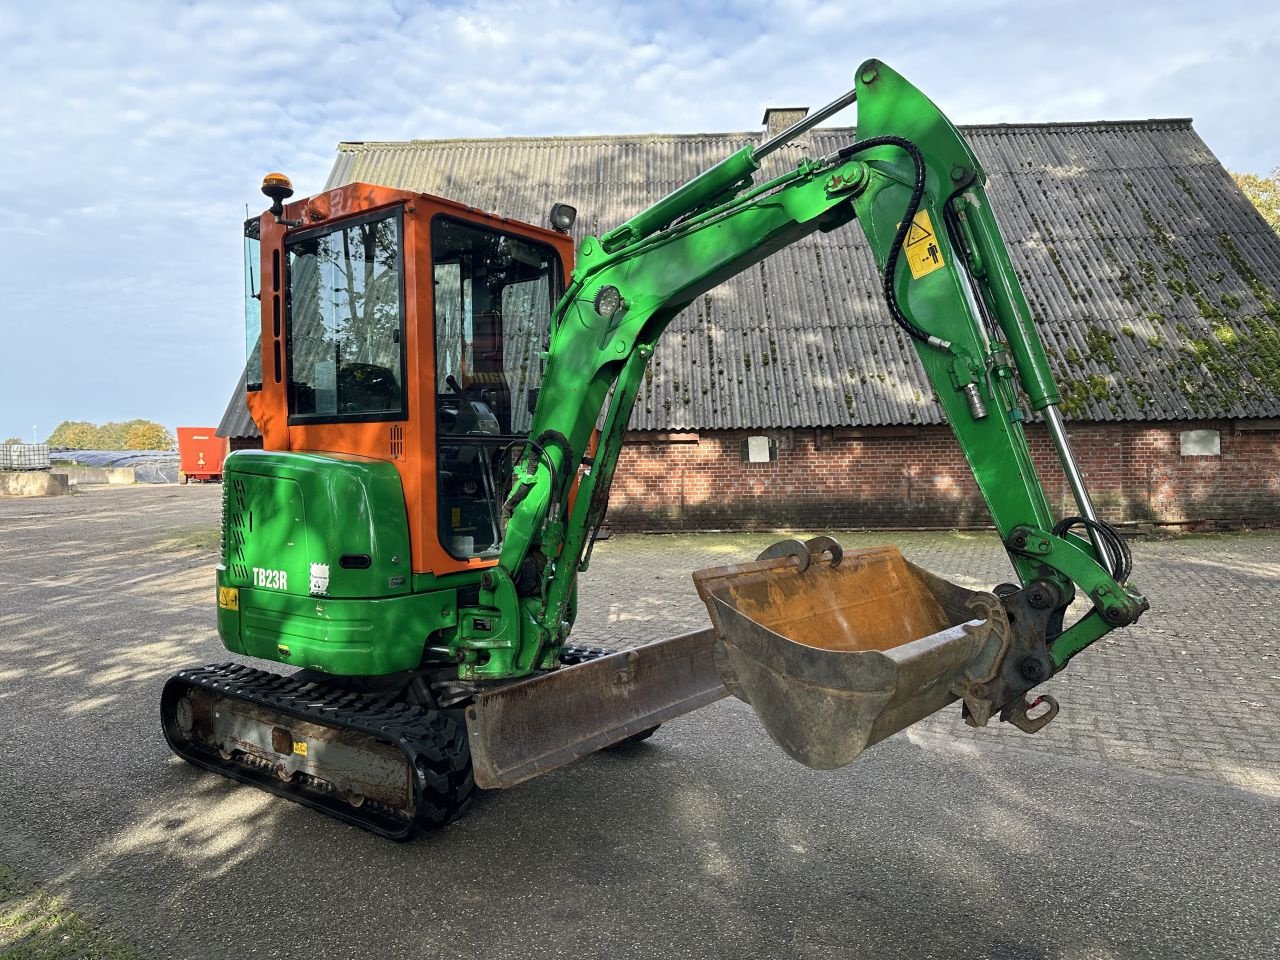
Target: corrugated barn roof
[[1155, 284], [236, 421]]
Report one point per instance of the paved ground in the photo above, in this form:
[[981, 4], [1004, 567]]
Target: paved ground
[[1142, 823], [1193, 689]]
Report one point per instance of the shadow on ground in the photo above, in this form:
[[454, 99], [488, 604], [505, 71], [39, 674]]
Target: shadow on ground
[[705, 841]]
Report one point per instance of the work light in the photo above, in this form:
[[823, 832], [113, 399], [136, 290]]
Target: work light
[[608, 301], [562, 217]]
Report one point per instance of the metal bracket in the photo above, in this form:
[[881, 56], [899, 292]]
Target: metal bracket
[[1016, 713], [628, 668], [975, 687], [1019, 620], [804, 552]]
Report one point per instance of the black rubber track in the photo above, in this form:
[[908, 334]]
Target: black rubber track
[[434, 744]]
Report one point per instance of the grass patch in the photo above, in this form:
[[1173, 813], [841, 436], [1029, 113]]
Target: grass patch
[[196, 539], [36, 925]]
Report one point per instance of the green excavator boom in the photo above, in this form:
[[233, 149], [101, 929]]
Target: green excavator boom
[[917, 193]]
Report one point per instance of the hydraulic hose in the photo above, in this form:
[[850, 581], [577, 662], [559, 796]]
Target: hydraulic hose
[[1118, 556], [913, 205], [522, 491]]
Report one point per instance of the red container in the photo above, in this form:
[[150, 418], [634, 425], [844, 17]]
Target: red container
[[200, 454]]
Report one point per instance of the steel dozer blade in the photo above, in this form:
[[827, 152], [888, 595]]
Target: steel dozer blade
[[525, 729], [836, 651]]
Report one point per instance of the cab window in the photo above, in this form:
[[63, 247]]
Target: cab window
[[346, 322]]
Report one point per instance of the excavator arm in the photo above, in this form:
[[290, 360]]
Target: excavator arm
[[917, 192]]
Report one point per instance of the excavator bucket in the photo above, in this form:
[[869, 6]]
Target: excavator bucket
[[836, 651]]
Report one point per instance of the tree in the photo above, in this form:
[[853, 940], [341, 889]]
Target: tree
[[128, 435], [74, 435], [1263, 193], [112, 433], [147, 435], [12, 440]]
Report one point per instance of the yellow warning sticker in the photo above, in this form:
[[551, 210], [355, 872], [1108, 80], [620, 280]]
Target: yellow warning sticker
[[924, 254], [300, 747], [229, 598]]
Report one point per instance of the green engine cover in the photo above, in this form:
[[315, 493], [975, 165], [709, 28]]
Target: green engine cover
[[315, 565], [289, 519]]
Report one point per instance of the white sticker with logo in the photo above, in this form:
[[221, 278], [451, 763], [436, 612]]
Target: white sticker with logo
[[319, 579], [275, 579]]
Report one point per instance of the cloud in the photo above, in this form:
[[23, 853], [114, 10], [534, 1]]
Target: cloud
[[136, 133]]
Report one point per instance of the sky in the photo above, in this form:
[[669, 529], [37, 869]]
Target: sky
[[135, 133]]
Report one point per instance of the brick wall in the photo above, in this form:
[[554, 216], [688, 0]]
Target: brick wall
[[918, 477]]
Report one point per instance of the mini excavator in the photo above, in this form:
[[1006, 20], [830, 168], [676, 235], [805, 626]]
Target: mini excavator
[[442, 395]]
